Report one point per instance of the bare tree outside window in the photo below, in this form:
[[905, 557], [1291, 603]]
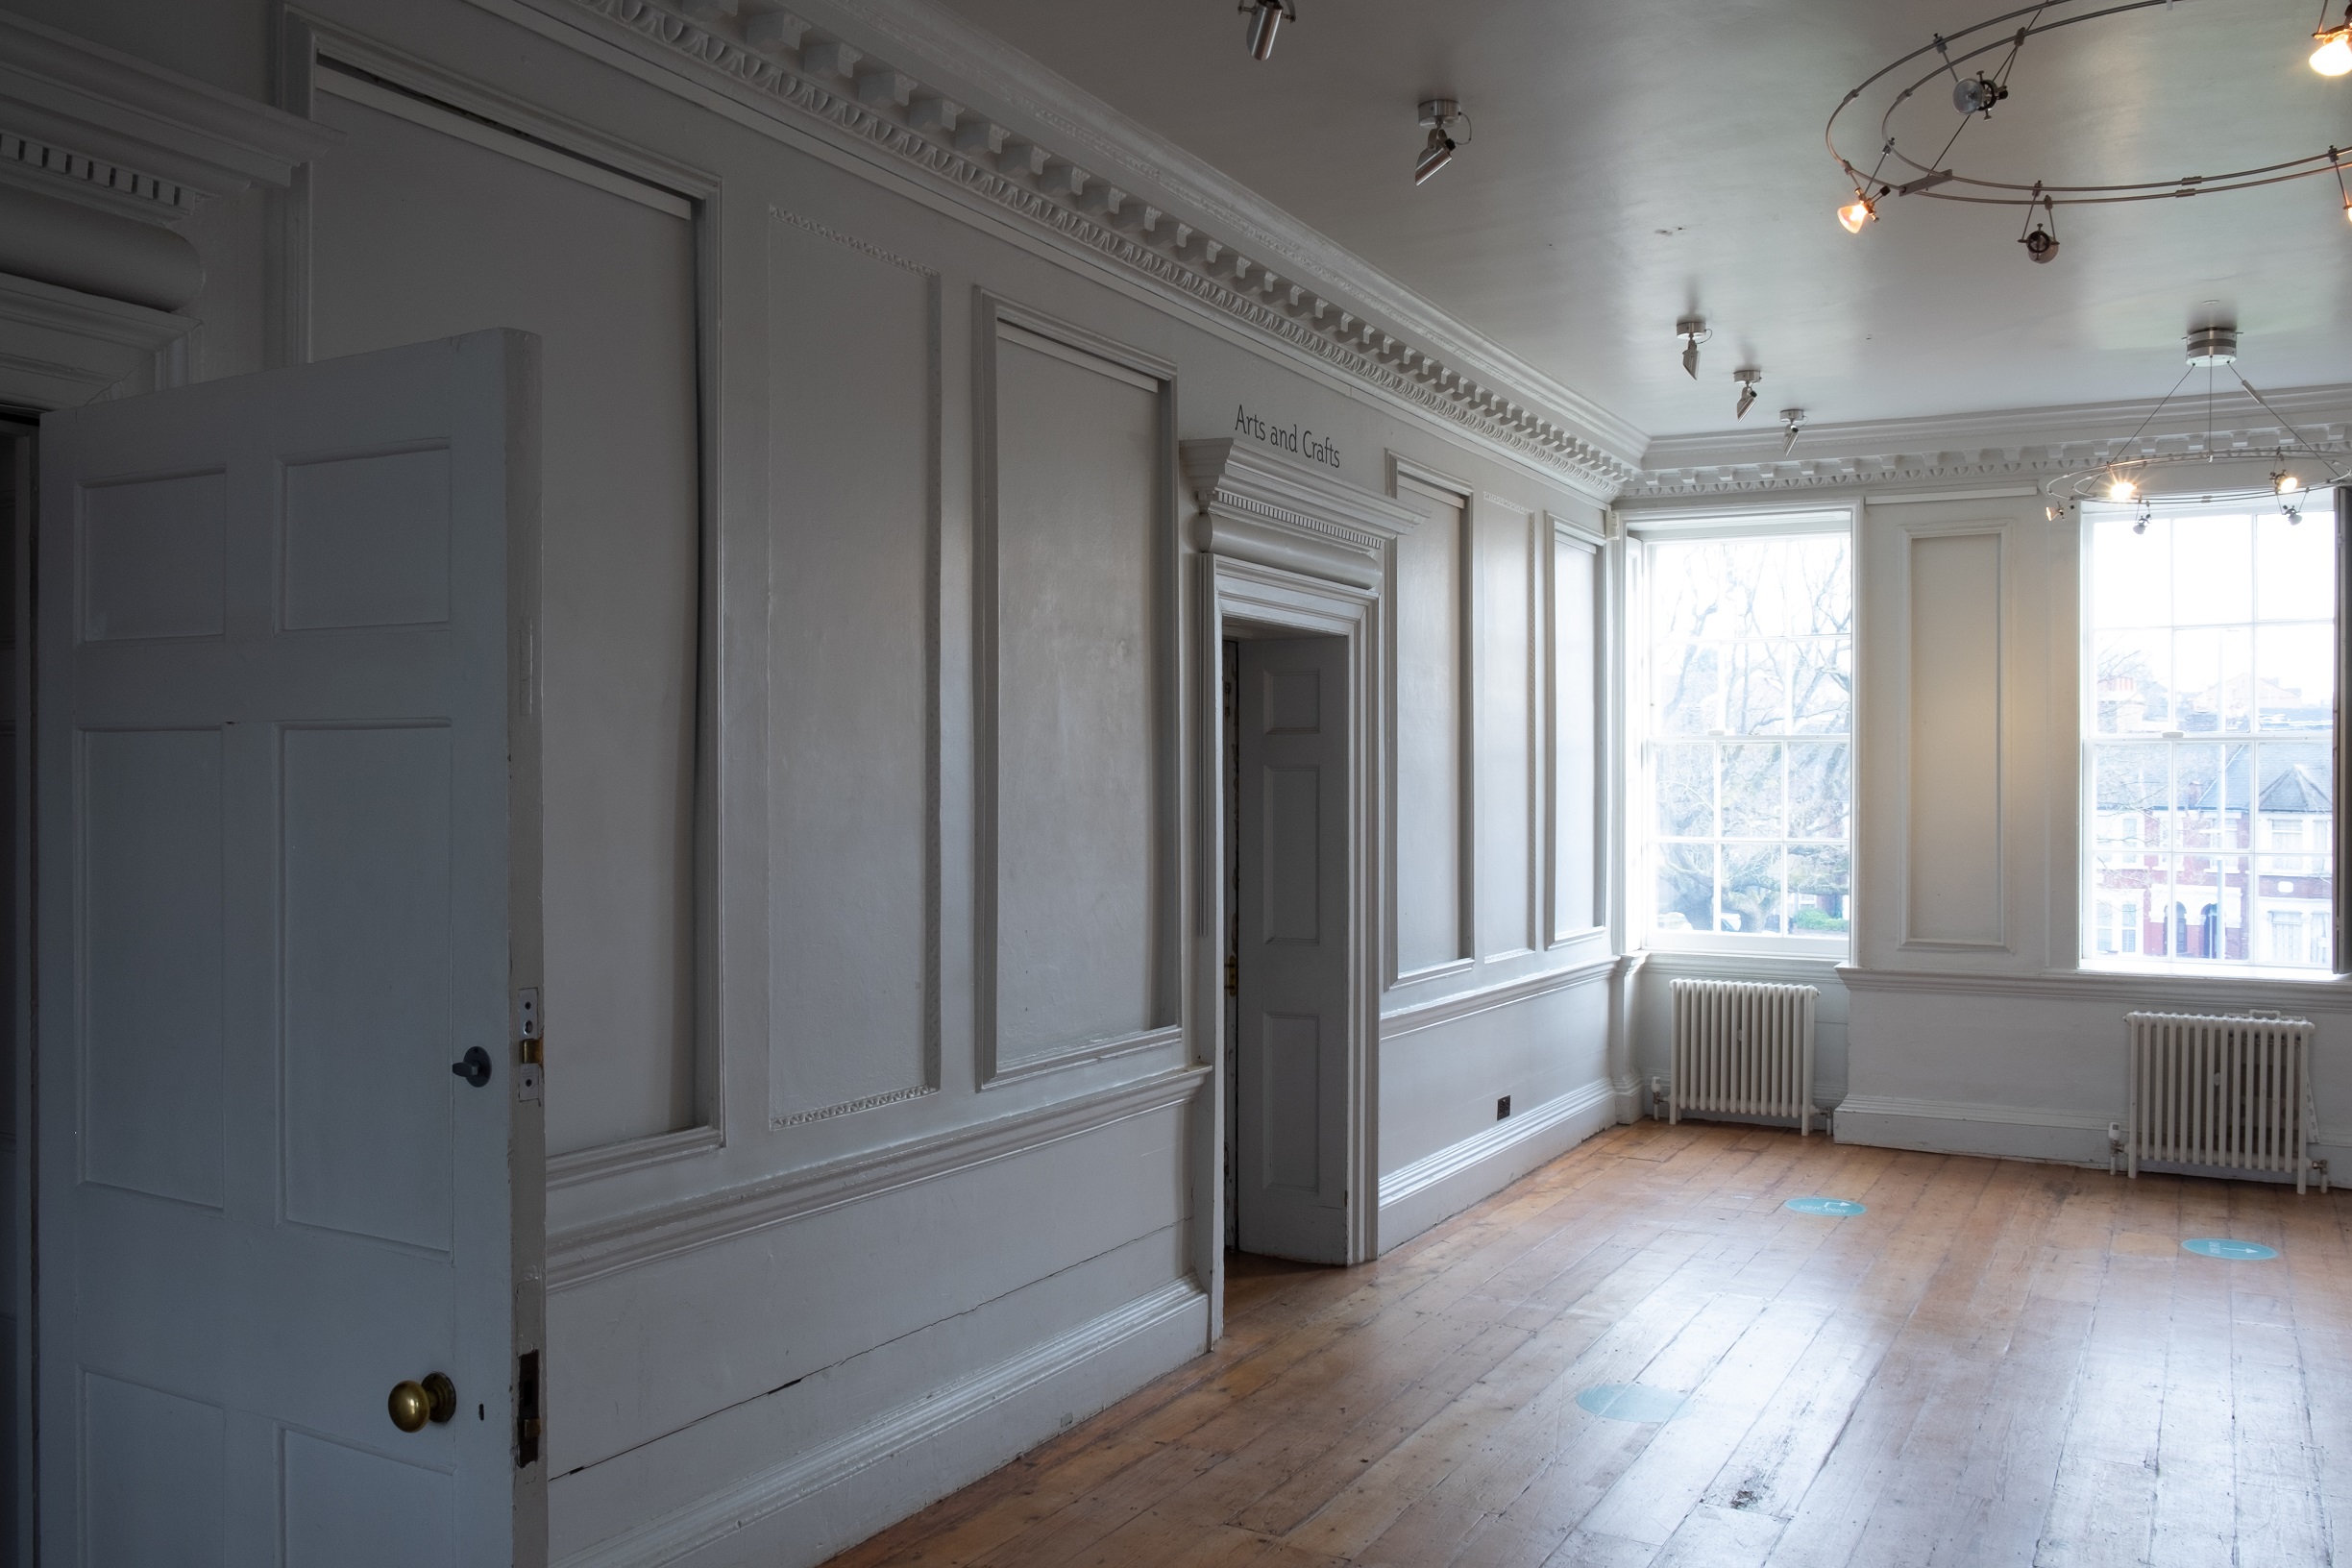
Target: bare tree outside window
[[1751, 739], [2209, 736]]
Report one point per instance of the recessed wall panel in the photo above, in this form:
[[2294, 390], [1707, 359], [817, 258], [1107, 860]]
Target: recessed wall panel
[[366, 1033], [1429, 739], [1505, 731], [852, 368], [1077, 788], [152, 1477], [1952, 870], [152, 994], [367, 541], [418, 235], [154, 559], [1574, 741], [1291, 865]]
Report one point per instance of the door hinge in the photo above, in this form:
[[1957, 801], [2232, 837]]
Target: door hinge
[[527, 1410], [1233, 974]]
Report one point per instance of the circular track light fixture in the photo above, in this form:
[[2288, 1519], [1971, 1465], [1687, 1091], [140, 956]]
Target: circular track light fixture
[[2121, 475], [1439, 116], [1265, 20], [1915, 160]]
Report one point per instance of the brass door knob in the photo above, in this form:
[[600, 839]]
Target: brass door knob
[[413, 1404]]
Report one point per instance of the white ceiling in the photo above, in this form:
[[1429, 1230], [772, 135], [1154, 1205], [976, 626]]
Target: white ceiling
[[1638, 159]]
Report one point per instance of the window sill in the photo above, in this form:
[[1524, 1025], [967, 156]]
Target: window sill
[[2253, 973]]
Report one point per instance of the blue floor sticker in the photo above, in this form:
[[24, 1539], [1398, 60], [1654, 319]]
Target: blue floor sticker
[[1826, 1206], [2236, 1252], [1630, 1402]]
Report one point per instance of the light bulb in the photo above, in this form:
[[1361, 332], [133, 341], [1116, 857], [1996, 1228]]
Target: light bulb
[[1855, 215], [2333, 56], [2287, 484], [2121, 490]]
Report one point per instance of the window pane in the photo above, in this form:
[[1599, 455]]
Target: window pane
[[1686, 887], [2212, 793], [2136, 885], [2295, 568], [2131, 579], [1755, 698], [1686, 790], [1821, 687], [1751, 791], [1751, 889], [2209, 894], [2296, 671], [2213, 571], [2297, 811], [1688, 675], [2214, 670], [1819, 788], [1820, 880], [2131, 689], [2128, 805]]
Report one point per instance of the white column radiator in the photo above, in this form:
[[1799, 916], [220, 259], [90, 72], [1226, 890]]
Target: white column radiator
[[2233, 1092], [1743, 1047]]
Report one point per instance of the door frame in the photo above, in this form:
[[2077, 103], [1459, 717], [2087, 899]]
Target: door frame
[[1283, 548]]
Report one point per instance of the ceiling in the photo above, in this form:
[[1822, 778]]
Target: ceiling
[[1635, 161]]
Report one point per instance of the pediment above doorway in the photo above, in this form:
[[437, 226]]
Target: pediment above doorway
[[1253, 504]]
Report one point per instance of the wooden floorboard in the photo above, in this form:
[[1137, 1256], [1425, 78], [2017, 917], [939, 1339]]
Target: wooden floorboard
[[1999, 1363]]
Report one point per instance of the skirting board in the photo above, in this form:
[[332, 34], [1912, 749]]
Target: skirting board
[[2000, 1131], [816, 1503], [1440, 1186]]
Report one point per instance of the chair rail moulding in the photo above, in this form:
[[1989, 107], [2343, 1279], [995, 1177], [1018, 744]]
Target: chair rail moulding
[[1036, 158], [1258, 507]]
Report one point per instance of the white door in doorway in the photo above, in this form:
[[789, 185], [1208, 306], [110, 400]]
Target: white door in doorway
[[1294, 805], [287, 799]]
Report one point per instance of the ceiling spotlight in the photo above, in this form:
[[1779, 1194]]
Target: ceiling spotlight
[[2285, 484], [2140, 523], [1693, 332], [2041, 239], [1792, 420], [1748, 378], [1977, 96], [1438, 115], [2119, 488], [1857, 212], [2333, 56], [1265, 20]]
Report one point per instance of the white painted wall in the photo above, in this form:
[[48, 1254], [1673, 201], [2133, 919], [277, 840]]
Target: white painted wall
[[819, 1251]]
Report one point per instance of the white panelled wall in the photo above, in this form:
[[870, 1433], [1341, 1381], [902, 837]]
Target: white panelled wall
[[884, 984], [882, 1128]]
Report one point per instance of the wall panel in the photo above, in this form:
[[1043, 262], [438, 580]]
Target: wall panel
[[418, 235], [1432, 763], [1952, 846], [1080, 917], [1504, 677], [1575, 739], [853, 913]]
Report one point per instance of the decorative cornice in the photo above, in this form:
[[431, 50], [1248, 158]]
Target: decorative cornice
[[589, 1252], [97, 126], [2027, 445], [931, 37], [776, 58]]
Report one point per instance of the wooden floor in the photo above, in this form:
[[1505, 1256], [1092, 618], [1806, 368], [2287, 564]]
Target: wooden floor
[[2000, 1363]]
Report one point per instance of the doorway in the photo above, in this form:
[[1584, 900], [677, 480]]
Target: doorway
[[1287, 804]]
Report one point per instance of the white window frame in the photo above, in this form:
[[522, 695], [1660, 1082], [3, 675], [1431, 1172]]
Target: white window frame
[[1644, 530], [2255, 922]]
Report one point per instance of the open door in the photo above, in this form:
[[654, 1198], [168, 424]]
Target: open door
[[287, 825], [1293, 803]]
